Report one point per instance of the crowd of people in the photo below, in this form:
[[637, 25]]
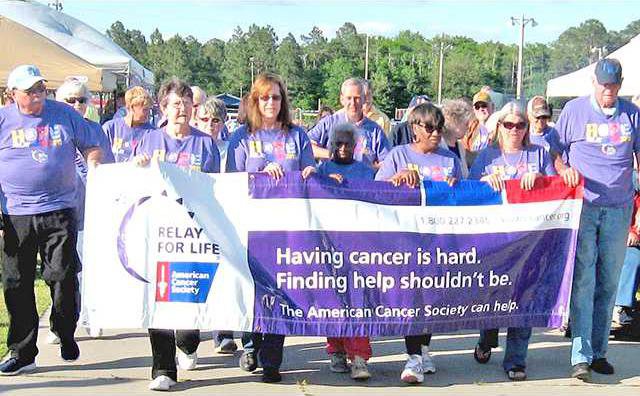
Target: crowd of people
[[48, 146]]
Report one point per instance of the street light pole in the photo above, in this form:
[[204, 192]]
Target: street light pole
[[251, 61], [523, 23], [441, 68], [366, 59]]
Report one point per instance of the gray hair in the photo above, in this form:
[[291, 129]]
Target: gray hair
[[456, 112], [357, 82], [342, 130], [214, 107], [72, 88]]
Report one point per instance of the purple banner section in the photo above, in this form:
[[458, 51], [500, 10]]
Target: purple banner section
[[337, 283], [263, 186]]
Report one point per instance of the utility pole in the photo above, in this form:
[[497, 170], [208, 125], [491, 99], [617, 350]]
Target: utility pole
[[523, 23], [366, 58], [441, 68], [56, 4]]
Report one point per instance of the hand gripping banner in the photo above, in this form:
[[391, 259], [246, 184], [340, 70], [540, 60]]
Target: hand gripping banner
[[168, 248]]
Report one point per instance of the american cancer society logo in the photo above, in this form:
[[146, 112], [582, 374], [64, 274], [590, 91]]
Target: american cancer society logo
[[184, 281]]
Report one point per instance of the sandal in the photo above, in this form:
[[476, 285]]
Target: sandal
[[517, 373], [481, 355]]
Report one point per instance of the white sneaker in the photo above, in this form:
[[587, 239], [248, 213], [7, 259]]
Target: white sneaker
[[413, 373], [94, 332], [428, 365], [359, 370], [161, 383], [620, 317], [187, 362], [52, 338]]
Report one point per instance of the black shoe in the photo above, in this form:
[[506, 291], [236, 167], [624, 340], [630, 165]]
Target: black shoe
[[13, 366], [69, 350], [271, 375], [581, 371], [601, 366], [248, 361]]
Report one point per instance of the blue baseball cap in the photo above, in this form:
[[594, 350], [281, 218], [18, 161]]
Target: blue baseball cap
[[609, 71], [24, 77]]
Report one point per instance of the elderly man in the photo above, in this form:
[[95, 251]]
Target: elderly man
[[38, 143], [372, 144], [599, 136], [478, 136]]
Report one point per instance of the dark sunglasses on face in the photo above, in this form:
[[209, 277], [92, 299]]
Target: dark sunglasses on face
[[428, 128], [517, 125], [207, 119], [275, 98], [543, 118], [480, 105], [74, 100], [36, 89]]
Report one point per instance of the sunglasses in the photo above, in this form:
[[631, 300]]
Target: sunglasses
[[480, 105], [207, 119], [36, 89], [543, 118], [517, 125], [275, 98], [74, 100], [428, 128]]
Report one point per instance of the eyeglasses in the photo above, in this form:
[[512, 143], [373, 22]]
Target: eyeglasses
[[275, 98], [517, 125], [213, 120], [480, 105], [36, 89], [74, 100]]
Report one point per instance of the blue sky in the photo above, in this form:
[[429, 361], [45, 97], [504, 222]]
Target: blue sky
[[481, 20]]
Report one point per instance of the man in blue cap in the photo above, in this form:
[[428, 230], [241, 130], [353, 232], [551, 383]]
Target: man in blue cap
[[599, 137], [38, 143]]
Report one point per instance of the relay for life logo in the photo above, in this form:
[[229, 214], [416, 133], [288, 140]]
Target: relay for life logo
[[188, 282]]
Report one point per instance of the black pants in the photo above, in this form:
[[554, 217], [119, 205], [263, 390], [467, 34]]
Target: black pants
[[414, 343], [53, 235], [267, 347], [163, 349]]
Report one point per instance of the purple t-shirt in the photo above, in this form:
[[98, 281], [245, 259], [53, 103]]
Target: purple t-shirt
[[38, 154], [354, 170], [548, 140], [601, 148], [372, 144], [196, 151], [512, 166], [435, 166], [482, 140], [251, 152], [123, 138]]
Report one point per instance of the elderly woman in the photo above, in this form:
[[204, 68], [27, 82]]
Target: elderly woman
[[269, 142], [457, 114], [540, 133], [401, 133], [77, 95], [342, 165], [178, 143], [511, 157], [424, 159], [210, 119], [125, 133]]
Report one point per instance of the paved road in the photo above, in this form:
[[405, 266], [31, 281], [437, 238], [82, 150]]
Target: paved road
[[119, 363]]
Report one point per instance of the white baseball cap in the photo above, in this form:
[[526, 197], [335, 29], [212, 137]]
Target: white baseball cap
[[24, 77]]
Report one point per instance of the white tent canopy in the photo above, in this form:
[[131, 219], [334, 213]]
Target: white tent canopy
[[77, 38], [578, 83]]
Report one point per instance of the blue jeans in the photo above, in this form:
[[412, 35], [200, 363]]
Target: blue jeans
[[515, 354], [602, 241], [629, 278]]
